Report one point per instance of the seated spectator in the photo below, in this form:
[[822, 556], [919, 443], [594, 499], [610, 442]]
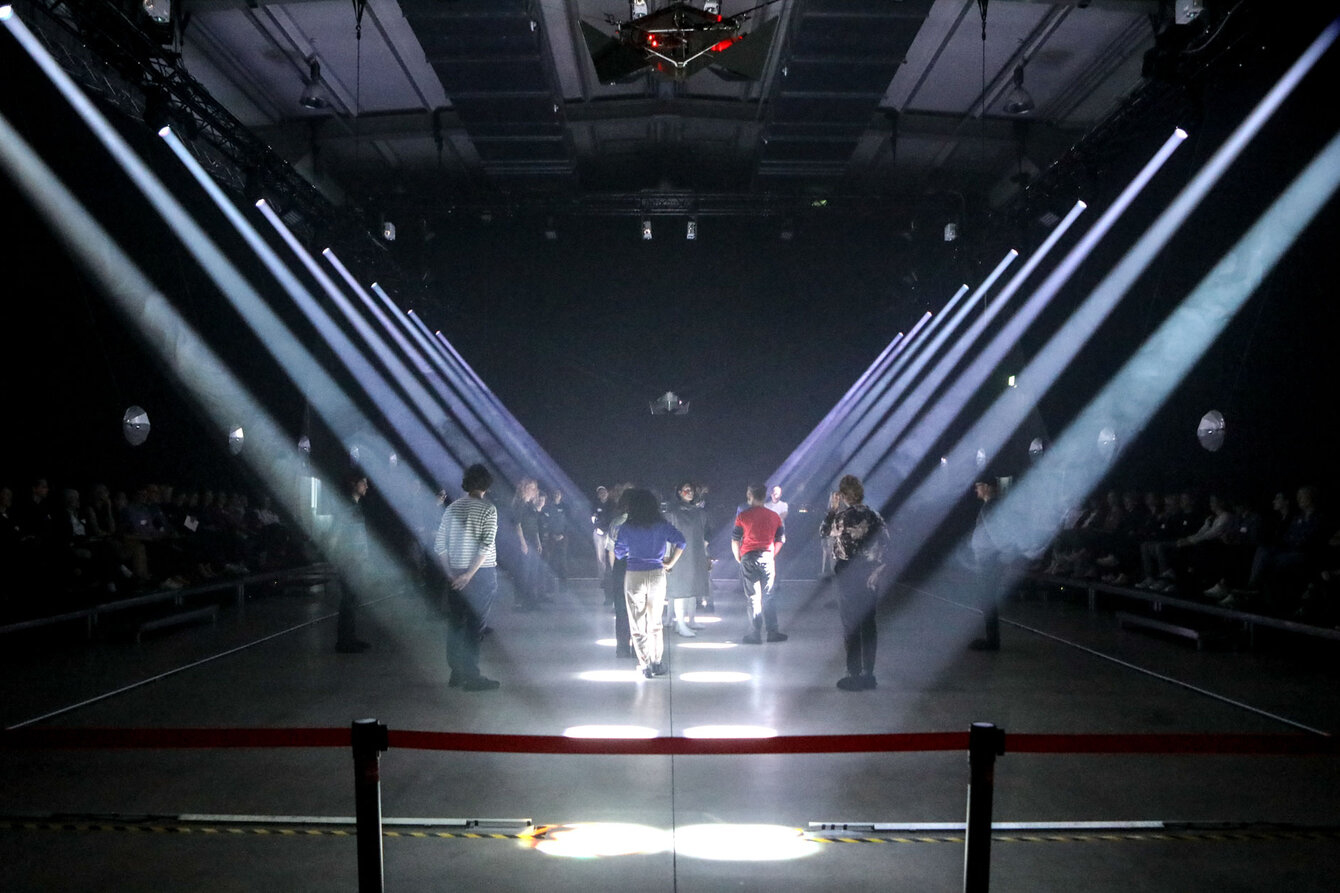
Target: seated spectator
[[1281, 571], [1320, 601], [1175, 521], [1121, 549]]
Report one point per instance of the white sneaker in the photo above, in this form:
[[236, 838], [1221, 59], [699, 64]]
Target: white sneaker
[[683, 629], [1218, 589]]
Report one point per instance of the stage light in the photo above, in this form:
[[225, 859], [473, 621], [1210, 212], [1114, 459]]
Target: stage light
[[646, 230], [135, 426], [236, 437], [313, 95], [388, 230], [691, 231], [159, 11], [951, 232], [1018, 101]]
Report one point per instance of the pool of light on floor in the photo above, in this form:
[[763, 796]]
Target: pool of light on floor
[[717, 842], [592, 840], [610, 731], [630, 675], [710, 842], [743, 843], [705, 646], [715, 677], [729, 731]]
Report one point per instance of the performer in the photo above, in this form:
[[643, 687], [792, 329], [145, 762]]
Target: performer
[[859, 537], [757, 538], [466, 544], [651, 546]]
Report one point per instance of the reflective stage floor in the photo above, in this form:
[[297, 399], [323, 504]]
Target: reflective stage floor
[[248, 818]]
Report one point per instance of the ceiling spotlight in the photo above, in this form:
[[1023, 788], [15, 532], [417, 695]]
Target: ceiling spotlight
[[691, 231], [951, 232], [1018, 101], [313, 95], [646, 230], [159, 11], [712, 6], [388, 230]]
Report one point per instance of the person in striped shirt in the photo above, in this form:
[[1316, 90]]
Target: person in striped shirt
[[466, 544]]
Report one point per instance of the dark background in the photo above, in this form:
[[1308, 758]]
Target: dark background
[[762, 335]]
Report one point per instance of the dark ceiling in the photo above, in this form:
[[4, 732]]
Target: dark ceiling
[[441, 115], [435, 105]]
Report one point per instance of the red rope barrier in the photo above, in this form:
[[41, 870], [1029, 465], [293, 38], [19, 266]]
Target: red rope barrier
[[916, 742]]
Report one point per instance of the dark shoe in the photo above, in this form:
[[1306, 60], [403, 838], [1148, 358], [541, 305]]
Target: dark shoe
[[356, 646], [481, 683], [868, 681], [752, 639], [777, 637], [658, 669], [985, 645], [648, 672], [850, 683]]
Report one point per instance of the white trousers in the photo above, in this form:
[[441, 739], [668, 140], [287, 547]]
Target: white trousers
[[644, 593]]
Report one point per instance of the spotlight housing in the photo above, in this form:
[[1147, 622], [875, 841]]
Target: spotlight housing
[[313, 96], [1018, 101]]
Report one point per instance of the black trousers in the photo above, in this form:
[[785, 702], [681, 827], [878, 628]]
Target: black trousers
[[856, 609]]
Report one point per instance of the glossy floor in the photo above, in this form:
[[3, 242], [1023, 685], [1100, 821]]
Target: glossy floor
[[171, 818]]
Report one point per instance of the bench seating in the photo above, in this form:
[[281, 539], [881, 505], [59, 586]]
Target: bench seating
[[1161, 603], [92, 616]]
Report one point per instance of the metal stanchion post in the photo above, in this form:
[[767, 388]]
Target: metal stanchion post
[[985, 743], [369, 740]]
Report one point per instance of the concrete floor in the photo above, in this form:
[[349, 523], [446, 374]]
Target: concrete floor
[[76, 819]]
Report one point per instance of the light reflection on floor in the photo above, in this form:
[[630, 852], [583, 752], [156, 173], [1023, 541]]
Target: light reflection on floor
[[715, 677], [743, 843], [610, 731], [632, 675], [726, 731], [718, 842]]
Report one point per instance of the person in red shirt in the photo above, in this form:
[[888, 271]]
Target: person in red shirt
[[755, 542]]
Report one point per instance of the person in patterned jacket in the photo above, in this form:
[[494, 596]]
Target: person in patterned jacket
[[859, 537]]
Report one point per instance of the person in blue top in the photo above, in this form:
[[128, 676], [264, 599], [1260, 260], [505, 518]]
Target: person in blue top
[[651, 545]]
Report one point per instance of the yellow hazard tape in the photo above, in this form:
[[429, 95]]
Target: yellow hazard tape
[[539, 832]]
